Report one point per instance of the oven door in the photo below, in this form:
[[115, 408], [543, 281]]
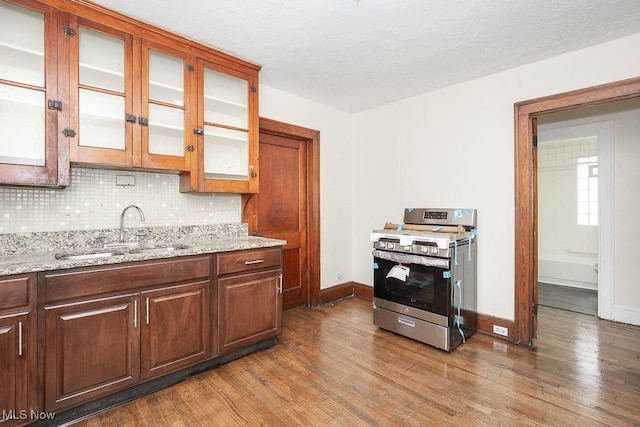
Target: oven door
[[416, 281]]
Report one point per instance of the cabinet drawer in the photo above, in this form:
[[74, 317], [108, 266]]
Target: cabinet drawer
[[14, 291], [254, 259], [61, 285]]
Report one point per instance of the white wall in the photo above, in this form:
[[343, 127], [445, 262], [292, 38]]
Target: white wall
[[454, 147], [335, 175]]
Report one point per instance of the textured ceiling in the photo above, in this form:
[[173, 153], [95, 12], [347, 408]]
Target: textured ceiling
[[358, 54]]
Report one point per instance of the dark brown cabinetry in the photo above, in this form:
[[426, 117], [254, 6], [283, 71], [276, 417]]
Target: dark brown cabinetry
[[249, 285], [108, 328], [92, 349], [17, 349], [175, 329]]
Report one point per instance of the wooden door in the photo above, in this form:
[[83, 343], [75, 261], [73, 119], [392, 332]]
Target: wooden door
[[281, 208], [92, 349], [175, 328]]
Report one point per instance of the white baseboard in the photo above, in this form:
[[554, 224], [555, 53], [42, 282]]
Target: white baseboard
[[628, 315]]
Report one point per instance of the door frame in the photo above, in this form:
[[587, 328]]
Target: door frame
[[312, 140], [526, 233]]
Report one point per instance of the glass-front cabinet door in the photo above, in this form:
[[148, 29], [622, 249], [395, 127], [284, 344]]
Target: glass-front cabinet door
[[101, 94], [29, 104], [168, 108], [227, 130]]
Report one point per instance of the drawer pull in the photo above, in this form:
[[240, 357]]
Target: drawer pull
[[135, 314], [257, 261], [147, 311]]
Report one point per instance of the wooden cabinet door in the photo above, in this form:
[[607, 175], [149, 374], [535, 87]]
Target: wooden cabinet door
[[91, 349], [32, 151], [227, 127], [168, 106], [14, 367], [249, 309], [102, 85], [175, 329]]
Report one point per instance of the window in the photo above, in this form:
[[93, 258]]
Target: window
[[587, 188]]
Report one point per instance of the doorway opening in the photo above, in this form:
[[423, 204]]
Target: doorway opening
[[574, 182], [526, 227]]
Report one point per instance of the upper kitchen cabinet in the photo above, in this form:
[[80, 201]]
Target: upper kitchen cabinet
[[131, 100], [168, 99], [32, 152], [101, 94], [227, 131]]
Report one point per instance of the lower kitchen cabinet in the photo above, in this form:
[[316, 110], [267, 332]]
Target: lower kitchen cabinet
[[249, 287], [17, 349], [92, 349], [176, 327], [97, 345]]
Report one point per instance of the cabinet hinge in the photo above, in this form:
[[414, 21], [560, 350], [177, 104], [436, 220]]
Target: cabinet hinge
[[534, 309], [69, 31], [191, 68], [54, 105], [69, 133], [198, 131]]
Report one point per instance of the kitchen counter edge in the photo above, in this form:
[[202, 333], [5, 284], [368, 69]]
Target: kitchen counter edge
[[46, 261]]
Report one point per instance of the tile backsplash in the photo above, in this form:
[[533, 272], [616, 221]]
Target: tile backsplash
[[94, 201]]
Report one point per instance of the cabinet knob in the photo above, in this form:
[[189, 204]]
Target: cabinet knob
[[143, 121], [69, 133], [198, 131], [190, 148], [130, 118], [254, 174]]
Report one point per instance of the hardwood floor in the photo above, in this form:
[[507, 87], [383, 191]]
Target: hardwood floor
[[333, 367], [568, 298]]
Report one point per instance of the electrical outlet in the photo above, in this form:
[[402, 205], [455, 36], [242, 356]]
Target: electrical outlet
[[500, 330], [339, 276]]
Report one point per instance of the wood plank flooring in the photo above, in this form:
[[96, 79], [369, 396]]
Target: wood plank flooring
[[333, 367], [568, 298]]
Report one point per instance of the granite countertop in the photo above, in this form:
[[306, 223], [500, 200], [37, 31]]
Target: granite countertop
[[182, 244]]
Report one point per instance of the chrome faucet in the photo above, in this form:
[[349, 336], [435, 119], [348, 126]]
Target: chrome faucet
[[122, 219]]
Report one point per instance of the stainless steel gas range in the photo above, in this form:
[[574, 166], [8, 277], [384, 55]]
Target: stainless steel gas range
[[424, 284]]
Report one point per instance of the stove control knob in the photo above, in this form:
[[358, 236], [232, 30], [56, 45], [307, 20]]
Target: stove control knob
[[434, 250], [391, 245], [382, 245], [408, 248], [425, 249]]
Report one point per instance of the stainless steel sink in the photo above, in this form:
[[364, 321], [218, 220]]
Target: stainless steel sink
[[161, 248], [121, 251], [71, 257]]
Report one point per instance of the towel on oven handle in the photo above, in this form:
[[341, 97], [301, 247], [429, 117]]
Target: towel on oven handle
[[411, 259]]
